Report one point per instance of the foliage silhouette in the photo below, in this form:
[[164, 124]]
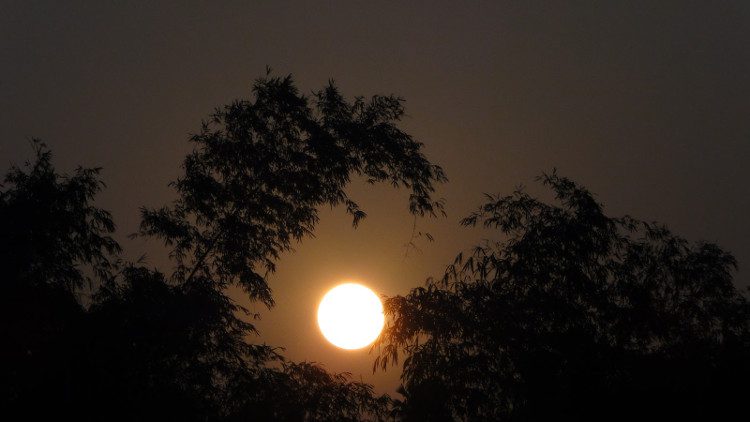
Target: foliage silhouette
[[49, 228], [153, 343], [305, 391], [573, 315], [54, 243], [253, 184], [262, 168]]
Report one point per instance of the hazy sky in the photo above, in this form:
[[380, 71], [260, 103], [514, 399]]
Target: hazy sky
[[646, 103]]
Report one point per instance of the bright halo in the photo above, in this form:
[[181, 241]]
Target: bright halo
[[350, 316]]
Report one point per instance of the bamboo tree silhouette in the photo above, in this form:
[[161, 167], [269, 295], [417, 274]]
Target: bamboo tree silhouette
[[572, 315], [169, 343]]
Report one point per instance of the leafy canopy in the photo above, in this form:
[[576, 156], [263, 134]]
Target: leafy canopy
[[572, 314], [49, 229], [262, 168], [169, 343]]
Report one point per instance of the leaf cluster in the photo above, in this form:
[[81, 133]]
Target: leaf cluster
[[572, 314], [49, 228], [262, 168]]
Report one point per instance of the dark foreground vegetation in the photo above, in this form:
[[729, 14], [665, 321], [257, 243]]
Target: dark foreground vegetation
[[571, 315]]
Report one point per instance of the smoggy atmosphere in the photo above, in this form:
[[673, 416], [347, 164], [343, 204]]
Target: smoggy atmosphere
[[645, 104]]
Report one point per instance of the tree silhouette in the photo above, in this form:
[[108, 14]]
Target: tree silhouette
[[50, 229], [259, 172], [570, 315], [573, 315], [305, 391], [149, 343], [54, 242], [262, 168]]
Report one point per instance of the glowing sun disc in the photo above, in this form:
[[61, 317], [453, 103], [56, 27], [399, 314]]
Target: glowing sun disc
[[350, 316]]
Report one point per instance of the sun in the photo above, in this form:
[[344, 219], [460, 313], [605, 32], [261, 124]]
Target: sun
[[350, 316]]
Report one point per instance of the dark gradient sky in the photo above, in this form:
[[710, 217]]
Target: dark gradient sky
[[646, 103]]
